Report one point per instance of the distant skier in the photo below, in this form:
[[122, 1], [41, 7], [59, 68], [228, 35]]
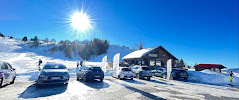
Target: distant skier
[[230, 75], [39, 63]]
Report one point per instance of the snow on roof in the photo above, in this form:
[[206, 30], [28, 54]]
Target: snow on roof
[[139, 53]]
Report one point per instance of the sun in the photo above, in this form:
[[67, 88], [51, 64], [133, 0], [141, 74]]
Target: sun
[[80, 21]]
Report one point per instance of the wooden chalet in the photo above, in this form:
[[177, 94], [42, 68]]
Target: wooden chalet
[[152, 57]]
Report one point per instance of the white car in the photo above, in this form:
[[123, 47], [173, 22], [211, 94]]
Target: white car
[[124, 73]]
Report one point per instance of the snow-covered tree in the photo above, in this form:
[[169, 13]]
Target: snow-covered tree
[[53, 40], [46, 40]]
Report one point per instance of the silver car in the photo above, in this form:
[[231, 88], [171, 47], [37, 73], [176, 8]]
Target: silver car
[[53, 73], [7, 74], [125, 72], [142, 72]]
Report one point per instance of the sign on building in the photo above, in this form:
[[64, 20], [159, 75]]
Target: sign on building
[[152, 55]]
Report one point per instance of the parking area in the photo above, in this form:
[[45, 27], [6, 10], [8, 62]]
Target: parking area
[[112, 88]]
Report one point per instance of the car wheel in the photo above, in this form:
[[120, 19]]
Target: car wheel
[[164, 76], [1, 81], [13, 80], [118, 77], [131, 78], [77, 78]]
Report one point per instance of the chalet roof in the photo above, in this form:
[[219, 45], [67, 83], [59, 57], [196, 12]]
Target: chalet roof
[[138, 53], [210, 66], [143, 52]]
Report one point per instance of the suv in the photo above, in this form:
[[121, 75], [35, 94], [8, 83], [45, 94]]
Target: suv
[[176, 73], [142, 72], [125, 72], [87, 73], [7, 74], [53, 73]]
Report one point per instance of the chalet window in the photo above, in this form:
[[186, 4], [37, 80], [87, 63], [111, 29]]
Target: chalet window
[[158, 63], [152, 62]]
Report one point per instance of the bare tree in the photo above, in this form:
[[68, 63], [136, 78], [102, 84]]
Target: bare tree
[[137, 46]]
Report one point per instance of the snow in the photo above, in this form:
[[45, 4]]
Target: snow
[[211, 77], [139, 53], [24, 60]]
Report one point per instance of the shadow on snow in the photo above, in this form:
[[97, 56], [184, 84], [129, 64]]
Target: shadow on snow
[[146, 94], [96, 84], [133, 81], [47, 90]]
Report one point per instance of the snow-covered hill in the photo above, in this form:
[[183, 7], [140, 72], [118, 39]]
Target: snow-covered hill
[[112, 50], [24, 59]]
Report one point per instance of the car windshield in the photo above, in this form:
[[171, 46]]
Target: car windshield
[[126, 69], [145, 68], [56, 66], [95, 68]]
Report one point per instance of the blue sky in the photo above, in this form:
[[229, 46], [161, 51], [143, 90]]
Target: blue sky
[[201, 31]]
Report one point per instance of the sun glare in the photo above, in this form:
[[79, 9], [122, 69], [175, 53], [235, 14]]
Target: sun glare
[[80, 21]]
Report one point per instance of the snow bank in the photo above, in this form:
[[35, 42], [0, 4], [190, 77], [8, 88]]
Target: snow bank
[[210, 77]]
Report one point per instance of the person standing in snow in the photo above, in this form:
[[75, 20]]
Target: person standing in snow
[[77, 65], [230, 75], [81, 62], [39, 63]]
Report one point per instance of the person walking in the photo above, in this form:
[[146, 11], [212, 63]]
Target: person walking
[[77, 65], [230, 75], [39, 63], [81, 62]]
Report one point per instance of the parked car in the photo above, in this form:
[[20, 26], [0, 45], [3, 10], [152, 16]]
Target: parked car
[[87, 73], [7, 74], [177, 73], [142, 72], [124, 73], [53, 73]]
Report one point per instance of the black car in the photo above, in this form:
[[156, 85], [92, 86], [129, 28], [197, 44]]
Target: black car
[[87, 73], [7, 74], [176, 73]]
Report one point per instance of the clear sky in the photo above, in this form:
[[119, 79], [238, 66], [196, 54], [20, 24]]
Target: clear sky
[[201, 31]]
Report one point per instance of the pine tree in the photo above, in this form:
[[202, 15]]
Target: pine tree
[[24, 39], [181, 63], [140, 46], [1, 35]]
